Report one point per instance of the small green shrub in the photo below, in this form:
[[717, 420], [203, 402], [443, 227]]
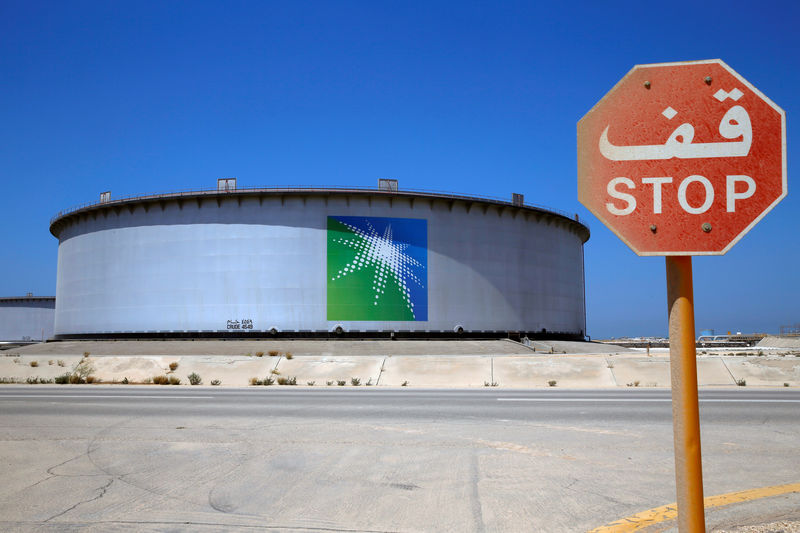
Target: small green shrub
[[50, 362], [355, 382], [785, 384], [287, 381], [35, 380], [63, 379], [83, 368], [216, 382], [404, 384], [741, 382], [81, 372], [341, 382], [125, 381], [60, 362], [256, 381], [174, 380], [310, 383], [368, 383], [173, 366], [34, 363], [552, 383], [194, 379], [7, 381], [329, 382], [160, 380], [268, 380]]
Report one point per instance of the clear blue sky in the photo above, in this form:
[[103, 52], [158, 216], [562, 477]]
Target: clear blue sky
[[469, 97]]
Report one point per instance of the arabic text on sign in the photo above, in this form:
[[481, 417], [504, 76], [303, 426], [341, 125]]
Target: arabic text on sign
[[735, 124]]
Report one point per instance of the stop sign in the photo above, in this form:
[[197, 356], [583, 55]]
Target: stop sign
[[682, 158]]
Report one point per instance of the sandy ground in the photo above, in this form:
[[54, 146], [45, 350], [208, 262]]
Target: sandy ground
[[433, 364], [780, 342]]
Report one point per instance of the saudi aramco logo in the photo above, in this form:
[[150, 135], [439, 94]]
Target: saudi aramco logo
[[377, 268]]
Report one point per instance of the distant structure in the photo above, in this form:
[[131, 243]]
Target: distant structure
[[790, 330], [318, 262], [739, 339], [26, 318]]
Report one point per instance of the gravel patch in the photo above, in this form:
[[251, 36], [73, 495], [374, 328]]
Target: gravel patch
[[782, 526]]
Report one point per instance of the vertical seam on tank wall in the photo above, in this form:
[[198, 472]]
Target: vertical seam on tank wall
[[583, 275]]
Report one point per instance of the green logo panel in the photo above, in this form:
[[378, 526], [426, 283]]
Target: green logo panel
[[377, 269]]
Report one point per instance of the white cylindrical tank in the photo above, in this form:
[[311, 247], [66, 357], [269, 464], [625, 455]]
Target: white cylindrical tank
[[317, 261], [26, 318]]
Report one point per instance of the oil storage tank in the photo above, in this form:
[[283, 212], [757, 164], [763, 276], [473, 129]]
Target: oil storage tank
[[26, 318], [317, 261]]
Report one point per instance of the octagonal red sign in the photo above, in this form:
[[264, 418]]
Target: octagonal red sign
[[682, 158]]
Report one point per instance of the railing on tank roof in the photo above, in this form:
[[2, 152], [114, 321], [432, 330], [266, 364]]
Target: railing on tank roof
[[303, 188]]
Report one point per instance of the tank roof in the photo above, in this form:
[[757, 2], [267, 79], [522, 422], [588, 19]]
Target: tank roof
[[25, 298], [61, 216]]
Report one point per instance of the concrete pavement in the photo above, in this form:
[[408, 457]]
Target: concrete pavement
[[100, 458]]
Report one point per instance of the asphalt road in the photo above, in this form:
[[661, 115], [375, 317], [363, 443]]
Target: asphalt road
[[101, 458]]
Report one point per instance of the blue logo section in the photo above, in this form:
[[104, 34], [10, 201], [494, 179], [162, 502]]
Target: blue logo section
[[377, 268]]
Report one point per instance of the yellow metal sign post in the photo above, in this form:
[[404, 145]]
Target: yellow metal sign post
[[685, 410]]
